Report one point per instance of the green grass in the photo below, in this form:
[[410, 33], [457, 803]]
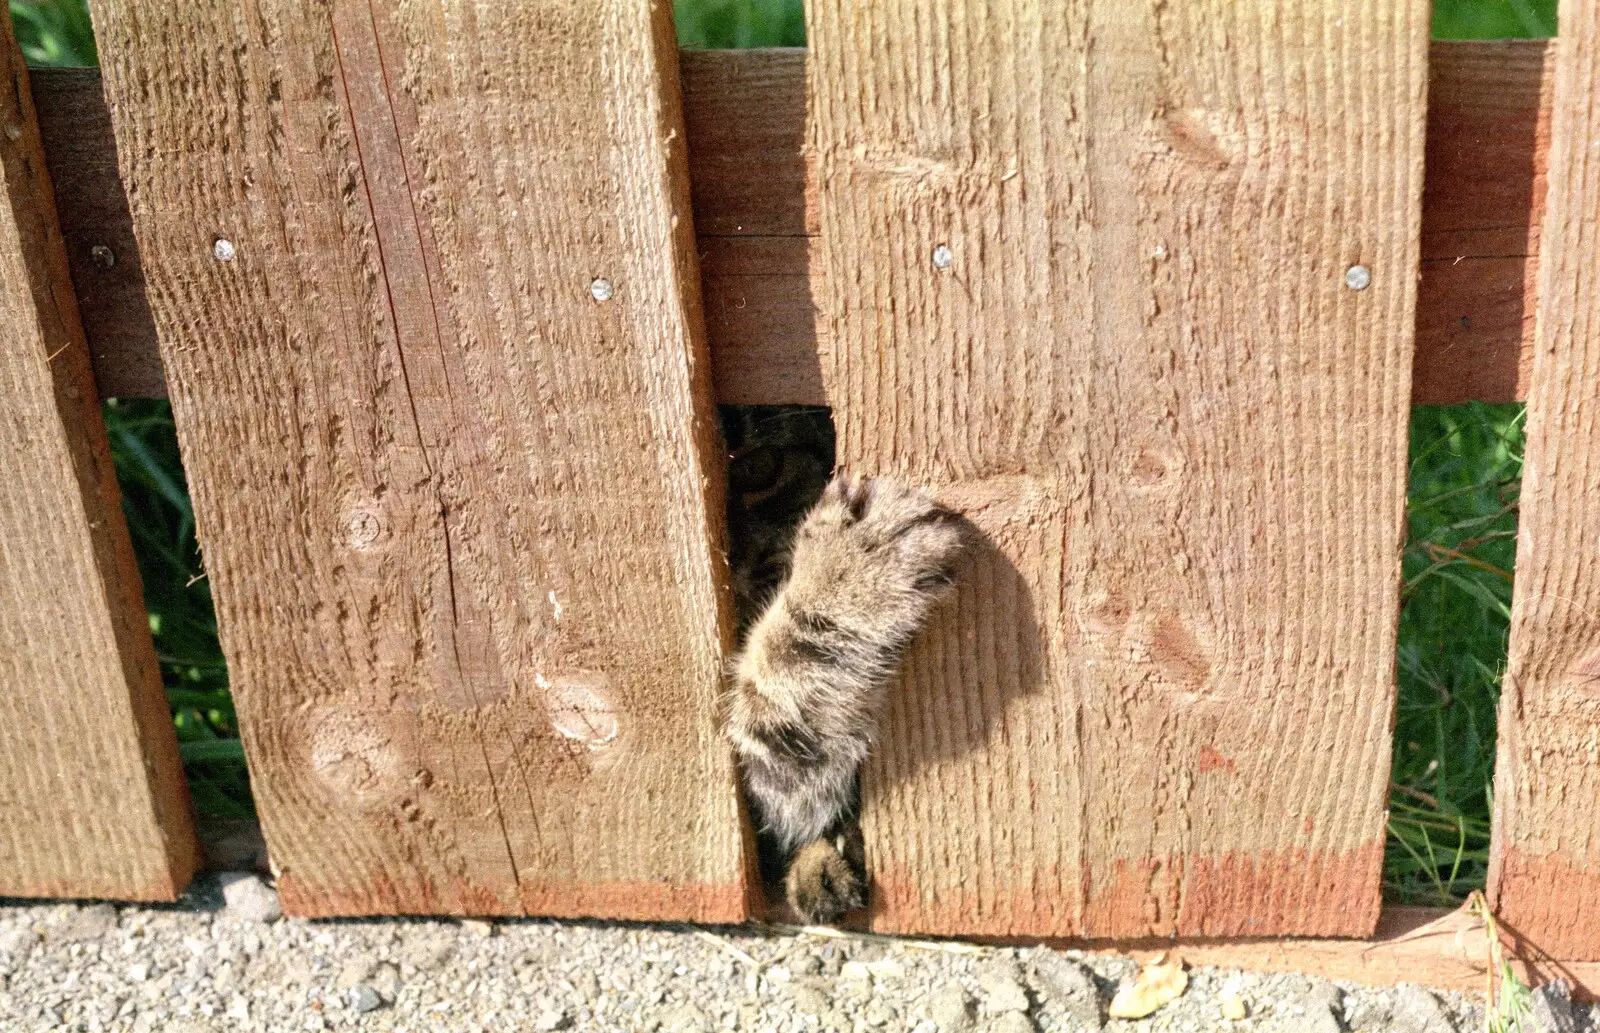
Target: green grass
[[1493, 19], [144, 448], [1465, 465], [54, 33], [724, 24]]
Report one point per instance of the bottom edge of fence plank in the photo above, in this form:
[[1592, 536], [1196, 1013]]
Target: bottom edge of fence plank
[[1552, 897], [151, 891], [707, 903], [1267, 893]]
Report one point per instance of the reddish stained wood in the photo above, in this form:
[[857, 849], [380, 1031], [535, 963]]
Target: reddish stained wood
[[555, 898], [1544, 875], [1246, 891], [1487, 135]]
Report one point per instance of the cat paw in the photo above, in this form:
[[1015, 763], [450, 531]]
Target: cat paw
[[876, 529], [822, 886]]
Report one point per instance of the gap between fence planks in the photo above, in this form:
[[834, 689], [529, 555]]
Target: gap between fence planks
[[1545, 864], [455, 501], [1488, 119], [92, 797]]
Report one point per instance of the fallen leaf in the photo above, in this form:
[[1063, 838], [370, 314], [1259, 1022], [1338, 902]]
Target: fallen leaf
[[1159, 983]]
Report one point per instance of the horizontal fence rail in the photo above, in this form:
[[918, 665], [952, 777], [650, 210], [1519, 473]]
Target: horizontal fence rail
[[1488, 116]]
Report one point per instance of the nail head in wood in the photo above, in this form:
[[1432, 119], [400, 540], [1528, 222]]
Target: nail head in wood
[[1357, 277], [222, 250], [103, 258], [601, 289], [943, 257]]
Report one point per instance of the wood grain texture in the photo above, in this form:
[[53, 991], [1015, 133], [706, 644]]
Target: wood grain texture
[[457, 513], [1488, 141], [1487, 132], [92, 797], [1159, 702], [1545, 857]]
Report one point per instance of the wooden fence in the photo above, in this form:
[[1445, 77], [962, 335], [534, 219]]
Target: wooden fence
[[443, 296]]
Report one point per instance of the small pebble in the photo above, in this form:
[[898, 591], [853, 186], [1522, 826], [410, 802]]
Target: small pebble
[[1012, 1022], [248, 898], [353, 972], [1415, 1010], [364, 998], [551, 1019], [1066, 984], [856, 970], [1317, 1018], [1550, 1009], [1006, 997], [951, 1008], [386, 980], [808, 999], [82, 924]]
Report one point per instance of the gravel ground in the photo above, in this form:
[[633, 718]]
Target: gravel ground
[[225, 962]]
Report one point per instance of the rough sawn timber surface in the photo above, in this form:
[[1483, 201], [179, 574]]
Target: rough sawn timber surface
[[92, 797], [1159, 700], [1545, 859], [1488, 127], [457, 513]]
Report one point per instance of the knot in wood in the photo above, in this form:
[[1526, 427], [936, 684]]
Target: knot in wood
[[363, 529], [1155, 467], [359, 755], [582, 707]]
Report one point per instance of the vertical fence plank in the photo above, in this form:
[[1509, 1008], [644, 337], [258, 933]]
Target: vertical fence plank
[[92, 797], [1545, 862], [1160, 703], [456, 509]]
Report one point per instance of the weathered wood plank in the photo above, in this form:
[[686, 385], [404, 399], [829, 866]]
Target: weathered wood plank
[[92, 797], [1487, 131], [1159, 703], [457, 511], [1545, 860]]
